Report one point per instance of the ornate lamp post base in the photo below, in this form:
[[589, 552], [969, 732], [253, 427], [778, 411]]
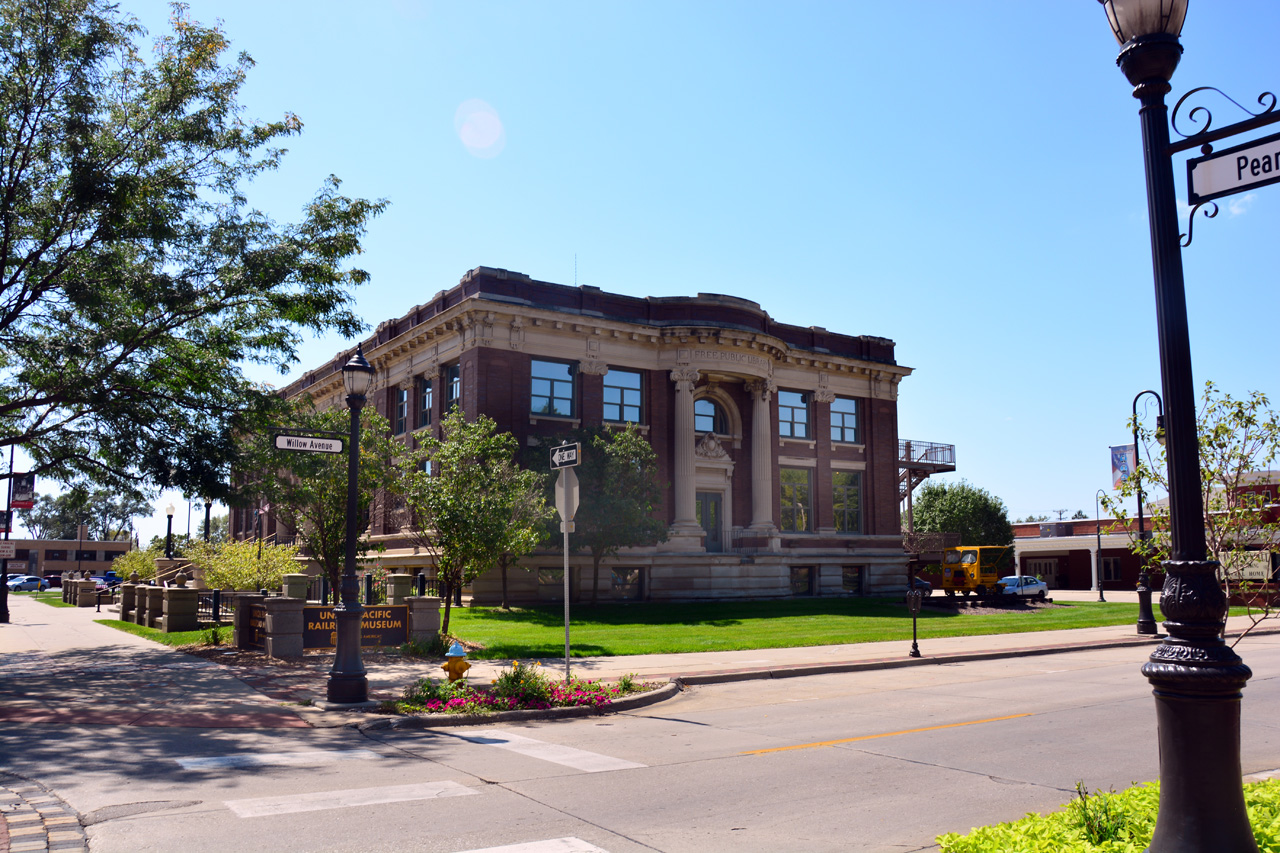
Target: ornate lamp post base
[[348, 680], [1197, 681]]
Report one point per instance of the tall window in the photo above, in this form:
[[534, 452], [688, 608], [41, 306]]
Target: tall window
[[551, 391], [402, 410], [793, 414], [424, 401], [622, 396], [797, 499], [844, 420], [1111, 568], [709, 417], [452, 386], [846, 500]]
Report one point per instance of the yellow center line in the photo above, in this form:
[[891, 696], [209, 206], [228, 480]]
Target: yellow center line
[[886, 734]]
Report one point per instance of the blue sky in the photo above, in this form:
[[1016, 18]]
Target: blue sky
[[965, 179]]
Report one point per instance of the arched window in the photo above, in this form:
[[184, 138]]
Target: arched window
[[708, 416]]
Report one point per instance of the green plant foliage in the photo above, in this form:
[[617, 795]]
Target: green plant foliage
[[433, 648], [139, 561], [136, 282], [1120, 822], [978, 516], [244, 565], [524, 683]]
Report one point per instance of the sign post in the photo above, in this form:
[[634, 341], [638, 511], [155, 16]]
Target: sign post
[[564, 458]]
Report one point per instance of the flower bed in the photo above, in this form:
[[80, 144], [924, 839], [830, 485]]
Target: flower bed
[[522, 687]]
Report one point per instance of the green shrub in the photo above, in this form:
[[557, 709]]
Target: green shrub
[[433, 648], [243, 565], [524, 684], [142, 562]]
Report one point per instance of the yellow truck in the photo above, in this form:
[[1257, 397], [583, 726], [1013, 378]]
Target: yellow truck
[[975, 568]]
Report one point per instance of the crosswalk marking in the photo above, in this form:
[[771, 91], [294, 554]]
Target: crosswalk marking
[[578, 759], [551, 845], [324, 800], [278, 759]]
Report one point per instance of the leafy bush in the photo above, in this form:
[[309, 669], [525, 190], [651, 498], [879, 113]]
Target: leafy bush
[[524, 686], [237, 565], [433, 648], [1120, 822], [142, 562]]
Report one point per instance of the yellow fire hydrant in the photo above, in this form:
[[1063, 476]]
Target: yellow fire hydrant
[[455, 662]]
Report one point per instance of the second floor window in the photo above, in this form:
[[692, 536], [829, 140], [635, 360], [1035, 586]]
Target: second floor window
[[402, 410], [709, 417], [844, 420], [424, 402], [622, 396], [551, 388], [793, 414], [452, 386]]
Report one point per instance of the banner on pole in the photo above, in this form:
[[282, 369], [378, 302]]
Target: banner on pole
[[1123, 460], [24, 491]]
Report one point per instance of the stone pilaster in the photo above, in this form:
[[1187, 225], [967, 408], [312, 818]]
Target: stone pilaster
[[762, 486], [685, 525]]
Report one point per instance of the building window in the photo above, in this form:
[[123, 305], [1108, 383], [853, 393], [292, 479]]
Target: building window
[[793, 414], [796, 500], [424, 402], [846, 500], [56, 554], [709, 417], [844, 420], [452, 386], [802, 578], [1111, 568], [622, 396], [851, 579], [626, 584], [402, 410], [552, 388], [86, 556]]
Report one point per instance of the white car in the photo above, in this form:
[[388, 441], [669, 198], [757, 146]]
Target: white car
[[1023, 585]]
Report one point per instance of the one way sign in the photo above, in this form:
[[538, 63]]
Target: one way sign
[[565, 456]]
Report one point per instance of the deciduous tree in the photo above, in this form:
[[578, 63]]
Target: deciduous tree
[[977, 515]]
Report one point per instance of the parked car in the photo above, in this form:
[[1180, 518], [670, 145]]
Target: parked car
[[27, 582], [923, 585], [1024, 586], [54, 579]]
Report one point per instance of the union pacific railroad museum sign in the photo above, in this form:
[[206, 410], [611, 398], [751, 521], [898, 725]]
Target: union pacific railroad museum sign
[[380, 625]]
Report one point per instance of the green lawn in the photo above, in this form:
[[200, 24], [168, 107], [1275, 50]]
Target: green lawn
[[177, 638], [615, 629], [51, 597]]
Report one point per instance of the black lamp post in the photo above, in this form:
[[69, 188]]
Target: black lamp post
[[1146, 618], [1097, 529], [168, 536], [1196, 678], [348, 682]]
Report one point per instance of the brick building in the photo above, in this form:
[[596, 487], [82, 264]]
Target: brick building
[[778, 445]]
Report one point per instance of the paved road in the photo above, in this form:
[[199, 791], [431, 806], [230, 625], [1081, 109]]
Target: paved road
[[881, 759]]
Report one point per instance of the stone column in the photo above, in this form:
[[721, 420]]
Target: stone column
[[424, 617], [179, 609], [140, 605], [88, 594], [295, 586], [684, 463], [242, 619], [284, 627], [762, 486], [155, 606], [398, 587], [126, 601]]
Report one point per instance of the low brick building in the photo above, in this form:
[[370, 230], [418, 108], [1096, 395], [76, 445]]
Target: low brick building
[[777, 445]]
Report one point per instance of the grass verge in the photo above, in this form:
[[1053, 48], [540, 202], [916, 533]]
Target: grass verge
[[177, 638], [1107, 822], [51, 597], [655, 628]]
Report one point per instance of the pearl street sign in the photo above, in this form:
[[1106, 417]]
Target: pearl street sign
[[308, 444], [1234, 170]]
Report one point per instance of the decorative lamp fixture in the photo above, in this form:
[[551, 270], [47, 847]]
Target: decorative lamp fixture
[[1131, 19], [357, 374], [169, 510]]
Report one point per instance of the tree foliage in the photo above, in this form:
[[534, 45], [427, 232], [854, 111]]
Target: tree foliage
[[469, 503], [978, 516], [619, 493], [308, 491], [107, 515], [135, 280], [243, 565], [1239, 440]]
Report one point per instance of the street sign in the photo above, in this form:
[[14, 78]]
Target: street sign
[[567, 495], [565, 456], [8, 550], [308, 444], [1234, 170]]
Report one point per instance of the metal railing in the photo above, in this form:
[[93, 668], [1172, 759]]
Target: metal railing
[[930, 452]]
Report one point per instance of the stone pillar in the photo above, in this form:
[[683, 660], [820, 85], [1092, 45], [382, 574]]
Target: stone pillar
[[140, 604], [398, 588], [684, 462], [284, 627], [178, 609], [244, 602], [155, 606], [127, 598], [762, 486], [295, 586], [87, 593], [424, 617], [66, 588]]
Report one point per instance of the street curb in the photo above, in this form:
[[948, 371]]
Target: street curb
[[432, 721]]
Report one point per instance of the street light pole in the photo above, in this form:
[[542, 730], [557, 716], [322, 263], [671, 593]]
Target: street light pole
[[1146, 618], [1097, 529], [1196, 678], [168, 535], [348, 681]]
